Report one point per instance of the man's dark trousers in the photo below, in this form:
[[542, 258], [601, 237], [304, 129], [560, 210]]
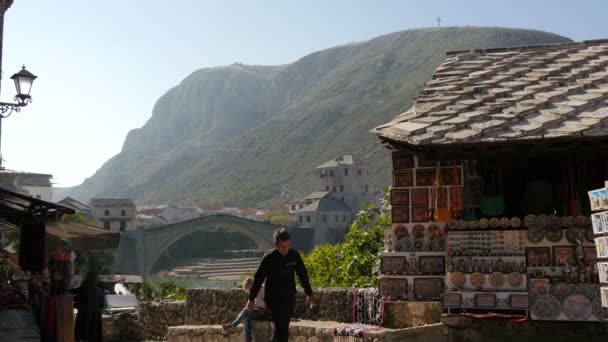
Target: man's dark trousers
[[281, 311]]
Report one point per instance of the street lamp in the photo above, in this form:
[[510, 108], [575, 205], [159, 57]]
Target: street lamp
[[23, 83]]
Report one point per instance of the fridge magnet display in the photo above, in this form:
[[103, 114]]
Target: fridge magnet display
[[425, 177], [403, 161], [420, 214], [400, 214], [403, 179], [400, 197], [420, 197]]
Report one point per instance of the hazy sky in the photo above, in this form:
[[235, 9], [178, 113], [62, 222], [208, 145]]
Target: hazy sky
[[103, 64]]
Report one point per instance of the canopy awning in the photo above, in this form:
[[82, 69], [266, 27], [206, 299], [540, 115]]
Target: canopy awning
[[17, 209], [83, 237]]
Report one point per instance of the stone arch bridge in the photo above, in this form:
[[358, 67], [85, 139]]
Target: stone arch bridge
[[139, 250]]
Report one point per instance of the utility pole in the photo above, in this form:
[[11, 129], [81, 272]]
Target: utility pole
[[438, 21]]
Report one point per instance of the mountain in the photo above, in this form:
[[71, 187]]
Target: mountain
[[251, 135]]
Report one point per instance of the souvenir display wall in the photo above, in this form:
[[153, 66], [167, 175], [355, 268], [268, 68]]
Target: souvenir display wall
[[561, 258], [599, 221], [413, 262], [486, 266]]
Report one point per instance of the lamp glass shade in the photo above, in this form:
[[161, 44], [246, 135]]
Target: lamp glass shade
[[23, 82]]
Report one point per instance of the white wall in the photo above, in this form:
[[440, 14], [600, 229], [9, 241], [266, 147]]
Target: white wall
[[45, 192]]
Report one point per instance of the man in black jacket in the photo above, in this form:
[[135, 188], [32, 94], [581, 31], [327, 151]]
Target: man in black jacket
[[277, 268]]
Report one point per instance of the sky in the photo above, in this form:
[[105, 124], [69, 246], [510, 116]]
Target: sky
[[101, 65]]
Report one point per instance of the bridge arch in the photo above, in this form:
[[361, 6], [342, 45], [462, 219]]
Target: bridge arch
[[140, 250]]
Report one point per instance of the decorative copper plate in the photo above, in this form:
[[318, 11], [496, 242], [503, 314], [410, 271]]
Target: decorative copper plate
[[561, 290], [546, 307], [473, 224], [554, 233], [530, 221], [484, 223], [567, 221], [505, 222], [477, 280], [419, 231], [577, 307], [401, 231], [542, 221], [515, 222], [535, 235], [589, 234], [574, 235], [580, 221], [515, 279], [599, 312], [458, 279], [462, 224], [587, 290], [538, 287], [554, 220], [432, 230], [497, 279], [494, 222], [453, 223]]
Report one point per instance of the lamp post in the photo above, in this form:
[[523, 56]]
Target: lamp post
[[23, 81]]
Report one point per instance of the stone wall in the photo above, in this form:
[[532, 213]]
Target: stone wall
[[480, 330], [156, 317], [150, 322], [221, 305]]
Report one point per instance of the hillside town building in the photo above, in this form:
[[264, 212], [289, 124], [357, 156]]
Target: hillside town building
[[113, 214]]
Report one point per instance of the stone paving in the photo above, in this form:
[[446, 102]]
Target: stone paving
[[18, 326]]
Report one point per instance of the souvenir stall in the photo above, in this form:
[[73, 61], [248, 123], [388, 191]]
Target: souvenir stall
[[599, 206], [413, 262], [528, 126], [29, 216]]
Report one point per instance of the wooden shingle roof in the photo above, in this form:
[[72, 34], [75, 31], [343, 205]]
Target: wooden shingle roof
[[502, 95]]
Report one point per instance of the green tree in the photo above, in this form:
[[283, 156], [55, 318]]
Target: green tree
[[356, 261]]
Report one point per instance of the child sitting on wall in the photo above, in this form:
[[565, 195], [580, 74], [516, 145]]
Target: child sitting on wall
[[246, 315]]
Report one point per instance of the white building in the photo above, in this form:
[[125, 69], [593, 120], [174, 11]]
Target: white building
[[113, 214], [347, 180], [37, 185]]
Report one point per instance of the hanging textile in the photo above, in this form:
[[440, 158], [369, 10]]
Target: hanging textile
[[368, 314], [367, 306], [31, 248]]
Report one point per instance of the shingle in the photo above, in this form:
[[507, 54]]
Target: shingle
[[507, 94]]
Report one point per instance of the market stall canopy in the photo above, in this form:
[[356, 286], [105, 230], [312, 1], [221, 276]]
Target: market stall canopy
[[18, 209], [530, 97], [83, 237]]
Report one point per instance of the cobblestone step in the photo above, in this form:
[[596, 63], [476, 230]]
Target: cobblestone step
[[306, 331]]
